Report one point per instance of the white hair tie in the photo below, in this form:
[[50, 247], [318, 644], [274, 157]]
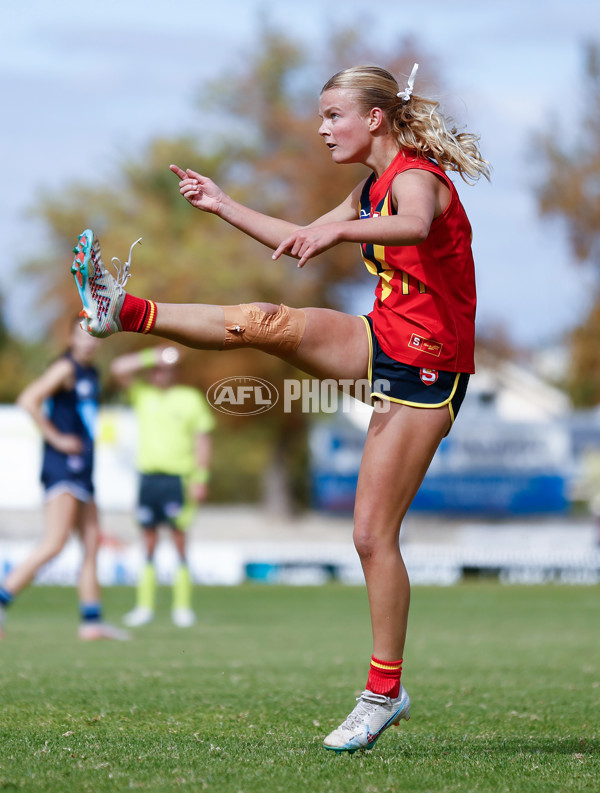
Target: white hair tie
[[406, 94]]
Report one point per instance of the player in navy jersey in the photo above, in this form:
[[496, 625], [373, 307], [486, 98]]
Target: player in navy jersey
[[415, 346], [63, 402]]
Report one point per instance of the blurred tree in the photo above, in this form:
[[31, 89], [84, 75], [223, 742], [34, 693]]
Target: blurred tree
[[494, 342], [20, 361], [264, 150], [571, 191]]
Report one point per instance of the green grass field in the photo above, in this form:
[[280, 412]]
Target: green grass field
[[505, 684]]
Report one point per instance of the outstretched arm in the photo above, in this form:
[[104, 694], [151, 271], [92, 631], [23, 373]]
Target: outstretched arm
[[126, 367], [204, 194]]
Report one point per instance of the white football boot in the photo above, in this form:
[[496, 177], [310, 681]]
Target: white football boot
[[373, 714], [101, 294]]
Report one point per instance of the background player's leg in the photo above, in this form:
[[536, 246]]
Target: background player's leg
[[180, 542], [60, 516], [88, 587], [92, 625], [150, 535], [145, 590], [181, 612]]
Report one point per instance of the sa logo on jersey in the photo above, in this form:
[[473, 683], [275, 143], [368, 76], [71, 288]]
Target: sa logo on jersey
[[428, 376]]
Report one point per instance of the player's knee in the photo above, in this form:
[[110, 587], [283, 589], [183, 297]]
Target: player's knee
[[373, 540], [364, 541], [365, 532], [276, 329]]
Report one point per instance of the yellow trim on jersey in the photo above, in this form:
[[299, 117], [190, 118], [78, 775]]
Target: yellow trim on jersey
[[405, 283], [386, 273], [379, 250]]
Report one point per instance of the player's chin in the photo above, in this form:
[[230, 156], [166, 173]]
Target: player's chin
[[342, 158], [337, 155]]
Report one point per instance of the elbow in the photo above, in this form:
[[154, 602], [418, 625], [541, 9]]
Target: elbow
[[419, 233], [415, 230]]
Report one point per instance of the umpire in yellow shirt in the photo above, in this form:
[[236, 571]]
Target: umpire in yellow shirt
[[173, 458]]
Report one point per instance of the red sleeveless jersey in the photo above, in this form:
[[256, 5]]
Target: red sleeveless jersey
[[424, 312]]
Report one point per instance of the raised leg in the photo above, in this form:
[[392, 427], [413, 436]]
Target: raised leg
[[333, 345]]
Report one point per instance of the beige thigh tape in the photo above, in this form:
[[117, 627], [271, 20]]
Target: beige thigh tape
[[279, 333]]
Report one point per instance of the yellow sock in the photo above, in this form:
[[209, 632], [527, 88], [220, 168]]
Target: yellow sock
[[182, 588], [146, 588]]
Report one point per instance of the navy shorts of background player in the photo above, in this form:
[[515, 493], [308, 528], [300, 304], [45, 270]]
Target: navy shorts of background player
[[73, 411], [161, 500]]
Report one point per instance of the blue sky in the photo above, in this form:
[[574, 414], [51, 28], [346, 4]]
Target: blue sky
[[510, 67]]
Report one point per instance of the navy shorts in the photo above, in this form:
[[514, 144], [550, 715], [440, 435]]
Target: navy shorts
[[63, 473], [412, 385], [161, 500]]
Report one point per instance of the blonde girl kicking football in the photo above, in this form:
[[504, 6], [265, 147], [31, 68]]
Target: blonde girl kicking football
[[415, 238]]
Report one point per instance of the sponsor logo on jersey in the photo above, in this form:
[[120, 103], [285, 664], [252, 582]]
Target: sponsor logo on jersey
[[430, 346]]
